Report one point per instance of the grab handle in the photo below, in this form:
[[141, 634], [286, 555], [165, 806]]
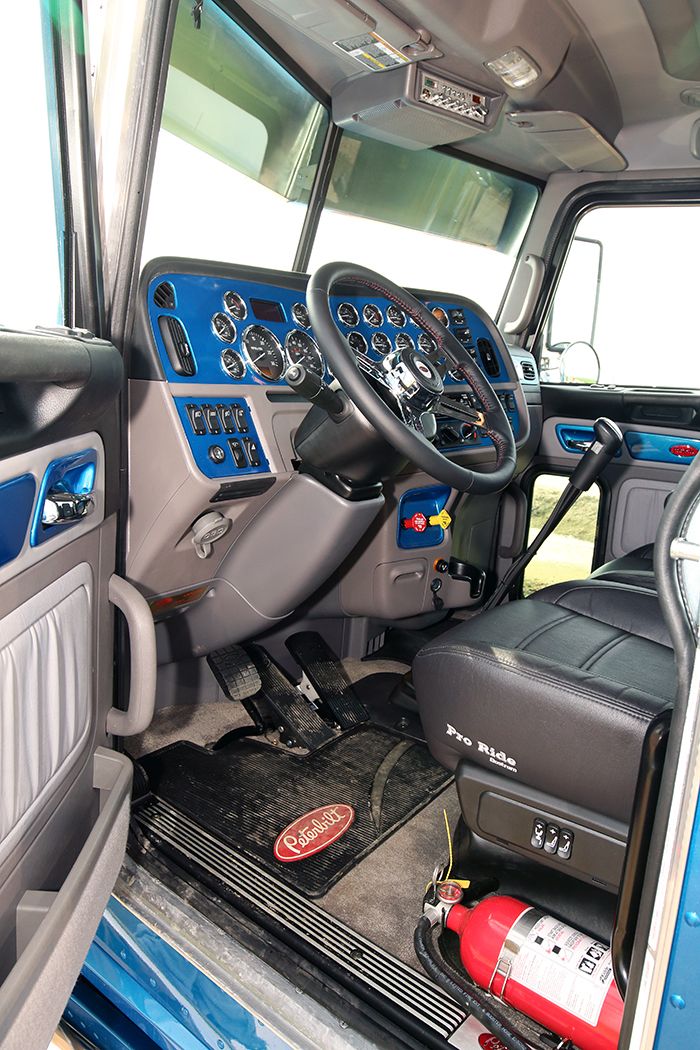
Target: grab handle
[[142, 636]]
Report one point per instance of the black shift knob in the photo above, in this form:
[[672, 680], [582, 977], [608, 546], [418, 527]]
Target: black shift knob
[[605, 445]]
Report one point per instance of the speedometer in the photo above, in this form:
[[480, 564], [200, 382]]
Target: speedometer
[[302, 350], [264, 352]]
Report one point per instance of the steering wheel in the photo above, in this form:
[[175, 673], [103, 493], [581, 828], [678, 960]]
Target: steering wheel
[[400, 394]]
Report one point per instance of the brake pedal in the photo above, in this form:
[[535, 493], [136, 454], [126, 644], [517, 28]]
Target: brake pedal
[[297, 720], [328, 677]]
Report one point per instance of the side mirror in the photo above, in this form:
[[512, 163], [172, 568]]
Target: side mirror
[[579, 363]]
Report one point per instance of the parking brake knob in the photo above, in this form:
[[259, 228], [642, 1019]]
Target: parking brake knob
[[605, 445]]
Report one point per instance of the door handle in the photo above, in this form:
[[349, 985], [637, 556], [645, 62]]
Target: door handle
[[65, 508], [577, 445]]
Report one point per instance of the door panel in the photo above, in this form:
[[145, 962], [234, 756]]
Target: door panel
[[63, 796]]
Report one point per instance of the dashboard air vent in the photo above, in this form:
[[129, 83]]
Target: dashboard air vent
[[488, 357], [164, 296], [177, 345], [528, 370]]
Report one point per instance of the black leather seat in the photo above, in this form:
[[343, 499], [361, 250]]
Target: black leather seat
[[550, 698], [636, 567]]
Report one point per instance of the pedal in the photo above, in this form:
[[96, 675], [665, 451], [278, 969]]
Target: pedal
[[296, 719], [328, 677]]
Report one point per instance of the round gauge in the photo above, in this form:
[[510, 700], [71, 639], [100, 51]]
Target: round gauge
[[302, 350], [235, 305], [358, 342], [381, 343], [224, 327], [372, 315], [264, 352], [440, 315], [301, 315], [395, 316], [427, 344], [232, 364], [348, 315], [404, 341]]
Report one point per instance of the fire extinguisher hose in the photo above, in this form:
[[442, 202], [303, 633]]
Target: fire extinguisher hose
[[473, 1000]]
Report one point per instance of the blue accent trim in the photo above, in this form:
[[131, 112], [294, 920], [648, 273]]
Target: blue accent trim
[[161, 993], [428, 500], [16, 503], [74, 473], [656, 448], [566, 432], [201, 443], [680, 1009]]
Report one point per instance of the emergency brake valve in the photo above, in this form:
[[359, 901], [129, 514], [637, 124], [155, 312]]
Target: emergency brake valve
[[419, 521]]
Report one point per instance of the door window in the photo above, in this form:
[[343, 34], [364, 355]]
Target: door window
[[626, 310], [568, 553], [31, 205], [238, 148]]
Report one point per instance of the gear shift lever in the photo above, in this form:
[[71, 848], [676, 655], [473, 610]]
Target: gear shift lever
[[605, 445]]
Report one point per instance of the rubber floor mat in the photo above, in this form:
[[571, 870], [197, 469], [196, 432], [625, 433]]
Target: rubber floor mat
[[249, 792]]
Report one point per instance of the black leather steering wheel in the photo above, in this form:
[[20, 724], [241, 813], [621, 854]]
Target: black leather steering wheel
[[411, 384]]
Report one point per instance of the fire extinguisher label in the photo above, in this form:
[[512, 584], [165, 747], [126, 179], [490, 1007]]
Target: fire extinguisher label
[[566, 967]]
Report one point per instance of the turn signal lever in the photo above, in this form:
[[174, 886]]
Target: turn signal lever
[[312, 387], [604, 446]]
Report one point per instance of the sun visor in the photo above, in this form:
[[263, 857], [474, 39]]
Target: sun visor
[[676, 28], [415, 107], [570, 138]]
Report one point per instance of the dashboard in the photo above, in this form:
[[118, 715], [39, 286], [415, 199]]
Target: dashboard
[[232, 331]]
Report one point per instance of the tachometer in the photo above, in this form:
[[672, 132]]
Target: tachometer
[[235, 305], [348, 315], [302, 350], [224, 327], [372, 315], [395, 316], [381, 343], [358, 342], [264, 352], [301, 315]]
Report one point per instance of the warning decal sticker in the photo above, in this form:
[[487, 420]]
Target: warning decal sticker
[[567, 967], [372, 51]]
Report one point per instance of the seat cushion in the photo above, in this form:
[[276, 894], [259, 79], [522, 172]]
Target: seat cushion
[[556, 690]]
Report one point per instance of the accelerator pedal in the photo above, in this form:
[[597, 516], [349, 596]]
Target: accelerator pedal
[[298, 722], [328, 677]]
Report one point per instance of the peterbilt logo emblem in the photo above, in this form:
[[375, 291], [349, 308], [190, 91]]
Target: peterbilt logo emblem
[[313, 832], [423, 368], [490, 1042], [496, 758]]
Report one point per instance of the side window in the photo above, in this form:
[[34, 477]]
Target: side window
[[568, 553], [31, 207], [625, 309], [238, 148]]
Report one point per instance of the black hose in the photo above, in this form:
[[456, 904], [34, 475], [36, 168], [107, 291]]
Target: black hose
[[475, 1001]]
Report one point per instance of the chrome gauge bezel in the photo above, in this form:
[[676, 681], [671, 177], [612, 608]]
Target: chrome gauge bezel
[[393, 312], [249, 359], [233, 353], [407, 339], [378, 336], [312, 347], [299, 307], [367, 310], [431, 347], [348, 306], [357, 335], [227, 319], [240, 311]]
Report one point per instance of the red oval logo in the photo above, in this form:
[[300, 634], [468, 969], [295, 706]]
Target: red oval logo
[[313, 832], [685, 451], [490, 1042]]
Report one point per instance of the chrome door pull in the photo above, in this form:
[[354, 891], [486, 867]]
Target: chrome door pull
[[65, 508]]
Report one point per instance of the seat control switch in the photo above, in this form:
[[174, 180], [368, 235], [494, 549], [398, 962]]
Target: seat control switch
[[551, 841], [539, 829]]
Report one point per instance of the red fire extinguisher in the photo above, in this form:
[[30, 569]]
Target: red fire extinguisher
[[554, 974]]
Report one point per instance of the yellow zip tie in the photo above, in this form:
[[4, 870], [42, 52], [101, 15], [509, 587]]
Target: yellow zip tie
[[449, 843]]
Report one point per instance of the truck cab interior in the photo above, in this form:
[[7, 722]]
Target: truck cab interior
[[340, 486]]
